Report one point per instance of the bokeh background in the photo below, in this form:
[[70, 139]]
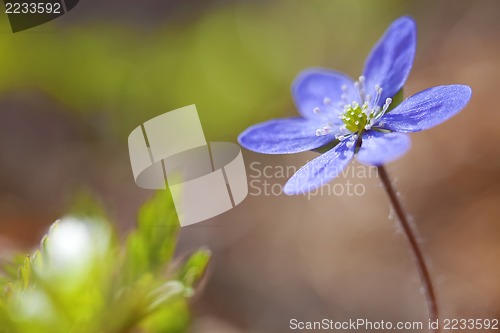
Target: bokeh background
[[72, 90]]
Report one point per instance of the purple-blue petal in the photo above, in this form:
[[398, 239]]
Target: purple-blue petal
[[320, 171], [321, 89], [380, 148], [391, 59], [284, 136], [427, 108]]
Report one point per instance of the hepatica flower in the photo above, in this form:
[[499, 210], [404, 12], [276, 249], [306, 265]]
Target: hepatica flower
[[355, 118]]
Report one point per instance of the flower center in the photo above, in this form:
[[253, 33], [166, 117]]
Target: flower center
[[355, 118]]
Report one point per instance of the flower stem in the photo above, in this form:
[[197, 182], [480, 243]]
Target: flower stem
[[423, 270]]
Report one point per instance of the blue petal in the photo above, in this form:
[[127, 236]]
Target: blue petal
[[381, 148], [391, 59], [313, 87], [320, 171], [427, 108], [284, 136]]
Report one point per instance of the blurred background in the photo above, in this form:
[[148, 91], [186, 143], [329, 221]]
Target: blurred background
[[73, 89]]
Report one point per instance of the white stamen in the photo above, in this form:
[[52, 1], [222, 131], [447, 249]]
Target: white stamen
[[326, 101], [323, 131], [316, 110], [371, 110], [378, 90], [360, 86], [384, 108]]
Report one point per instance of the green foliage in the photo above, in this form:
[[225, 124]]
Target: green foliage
[[81, 280], [153, 242], [235, 62]]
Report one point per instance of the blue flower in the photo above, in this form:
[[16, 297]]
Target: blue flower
[[353, 117]]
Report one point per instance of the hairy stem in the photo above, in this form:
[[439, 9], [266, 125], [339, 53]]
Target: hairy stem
[[423, 270]]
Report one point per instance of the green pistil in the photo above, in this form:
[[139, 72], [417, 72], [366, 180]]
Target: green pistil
[[355, 119]]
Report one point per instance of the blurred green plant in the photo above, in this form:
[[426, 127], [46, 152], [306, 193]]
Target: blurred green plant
[[234, 61], [82, 280]]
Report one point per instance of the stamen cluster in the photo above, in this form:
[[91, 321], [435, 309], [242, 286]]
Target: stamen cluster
[[356, 117]]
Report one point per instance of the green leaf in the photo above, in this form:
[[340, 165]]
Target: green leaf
[[168, 292], [152, 245], [194, 268], [6, 325], [173, 318], [25, 272]]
